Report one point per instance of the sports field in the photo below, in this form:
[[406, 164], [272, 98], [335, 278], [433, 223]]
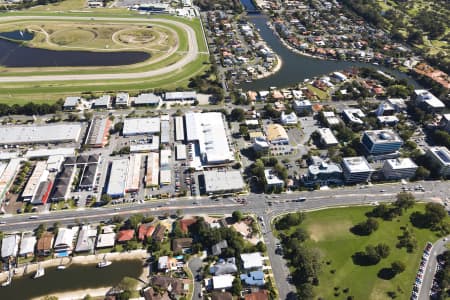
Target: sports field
[[176, 45], [329, 232]]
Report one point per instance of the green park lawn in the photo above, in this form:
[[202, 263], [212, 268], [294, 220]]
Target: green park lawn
[[329, 232]]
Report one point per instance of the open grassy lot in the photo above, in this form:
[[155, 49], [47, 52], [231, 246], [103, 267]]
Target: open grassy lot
[[329, 232]]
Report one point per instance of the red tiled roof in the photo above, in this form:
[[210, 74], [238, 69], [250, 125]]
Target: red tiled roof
[[125, 235], [145, 231], [185, 223], [260, 295]]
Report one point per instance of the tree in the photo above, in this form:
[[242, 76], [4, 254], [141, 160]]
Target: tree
[[127, 284], [365, 227], [398, 267], [134, 221], [261, 247], [237, 216], [40, 231], [372, 255], [422, 173], [236, 287], [405, 200], [106, 198], [434, 213], [305, 291], [383, 250], [237, 114], [300, 233]]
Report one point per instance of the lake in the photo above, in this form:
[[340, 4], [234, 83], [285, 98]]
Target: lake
[[14, 55]]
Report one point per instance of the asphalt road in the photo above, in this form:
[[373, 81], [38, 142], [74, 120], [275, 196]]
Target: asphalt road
[[256, 203], [189, 56], [438, 248], [194, 265]]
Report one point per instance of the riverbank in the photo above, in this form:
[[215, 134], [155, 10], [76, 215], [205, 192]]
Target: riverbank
[[79, 294], [31, 268], [274, 70]]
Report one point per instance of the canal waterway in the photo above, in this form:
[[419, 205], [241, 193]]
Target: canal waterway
[[13, 54], [75, 277], [17, 35], [296, 67]]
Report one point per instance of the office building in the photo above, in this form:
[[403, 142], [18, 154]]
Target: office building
[[356, 169], [399, 168], [383, 141]]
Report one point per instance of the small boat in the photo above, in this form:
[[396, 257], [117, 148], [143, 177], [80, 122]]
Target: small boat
[[8, 281], [104, 263], [39, 273], [61, 267]]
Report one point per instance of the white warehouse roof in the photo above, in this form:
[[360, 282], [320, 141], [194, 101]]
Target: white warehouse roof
[[137, 126], [208, 129], [55, 133], [118, 177], [218, 181]]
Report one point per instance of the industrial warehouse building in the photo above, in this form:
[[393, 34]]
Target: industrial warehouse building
[[63, 182], [39, 175], [221, 182], [118, 178], [381, 141], [39, 134], [152, 174], [179, 129], [165, 173], [356, 169], [134, 172], [207, 130], [98, 132], [180, 96], [138, 126], [8, 173]]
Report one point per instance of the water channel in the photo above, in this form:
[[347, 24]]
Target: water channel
[[75, 277], [295, 67], [15, 54]]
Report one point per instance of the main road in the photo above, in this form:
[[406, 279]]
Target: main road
[[265, 206], [189, 56]]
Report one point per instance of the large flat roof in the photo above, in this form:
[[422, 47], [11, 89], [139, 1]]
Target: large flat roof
[[327, 136], [276, 132], [134, 172], [382, 136], [401, 163], [117, 177], [218, 181], [35, 134], [50, 152], [356, 164], [209, 130], [152, 174], [442, 154], [136, 126]]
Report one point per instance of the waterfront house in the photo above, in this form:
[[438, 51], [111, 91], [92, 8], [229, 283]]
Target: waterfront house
[[125, 235], [86, 239], [181, 244], [27, 245], [145, 231], [10, 246], [159, 233], [64, 242], [45, 244], [174, 286]]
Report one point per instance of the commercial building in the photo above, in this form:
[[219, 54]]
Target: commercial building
[[122, 99], [385, 109], [261, 145], [39, 175], [290, 119], [302, 107], [331, 118], [276, 134], [54, 163], [71, 103], [165, 172], [323, 174], [63, 183], [98, 132], [222, 182], [139, 126], [42, 153], [353, 116], [383, 141], [152, 172], [39, 134], [8, 174], [398, 104], [102, 102], [428, 101], [149, 99], [165, 132], [180, 96], [440, 159], [272, 179], [118, 178], [134, 173], [180, 152], [356, 169], [327, 137], [388, 120], [153, 145], [207, 130], [179, 129], [399, 168]]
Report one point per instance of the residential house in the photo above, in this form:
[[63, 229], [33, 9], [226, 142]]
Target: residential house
[[160, 233], [254, 278], [252, 261], [150, 294], [181, 244], [259, 295], [64, 241], [174, 286], [125, 235], [221, 296], [222, 282], [166, 263], [145, 231], [10, 246], [27, 245], [223, 267], [45, 244], [216, 249]]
